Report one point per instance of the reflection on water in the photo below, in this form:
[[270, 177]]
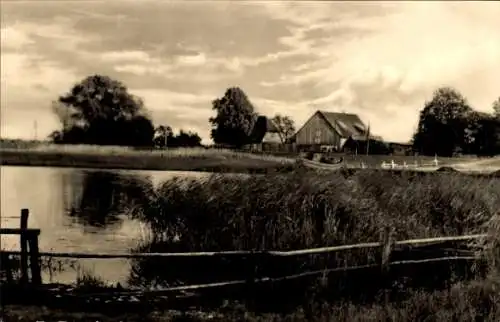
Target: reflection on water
[[104, 196], [79, 211]]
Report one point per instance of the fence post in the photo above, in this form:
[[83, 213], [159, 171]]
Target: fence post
[[24, 245], [36, 274], [387, 243]]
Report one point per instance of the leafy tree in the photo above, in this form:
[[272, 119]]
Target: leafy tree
[[163, 134], [235, 119], [486, 134], [442, 124], [285, 127], [259, 129], [56, 136], [164, 137], [186, 139], [100, 110], [496, 107]]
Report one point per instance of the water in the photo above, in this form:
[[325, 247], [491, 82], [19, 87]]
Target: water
[[76, 210]]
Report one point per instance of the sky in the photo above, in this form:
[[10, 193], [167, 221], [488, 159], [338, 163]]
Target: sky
[[380, 60]]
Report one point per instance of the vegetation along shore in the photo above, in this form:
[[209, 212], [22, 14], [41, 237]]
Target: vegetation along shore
[[306, 210]]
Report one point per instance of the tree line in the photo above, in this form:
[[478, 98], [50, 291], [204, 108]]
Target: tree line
[[449, 125], [100, 110]]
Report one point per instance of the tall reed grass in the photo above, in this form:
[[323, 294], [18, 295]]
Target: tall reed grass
[[303, 210], [306, 210]]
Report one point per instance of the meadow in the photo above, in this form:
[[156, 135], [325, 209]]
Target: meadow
[[185, 159], [211, 159]]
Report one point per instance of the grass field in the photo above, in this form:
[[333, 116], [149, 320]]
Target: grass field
[[195, 159], [210, 160]]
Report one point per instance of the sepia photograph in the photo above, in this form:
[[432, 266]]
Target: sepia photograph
[[245, 160]]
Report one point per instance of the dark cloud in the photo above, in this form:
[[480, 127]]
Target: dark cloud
[[164, 30], [160, 27]]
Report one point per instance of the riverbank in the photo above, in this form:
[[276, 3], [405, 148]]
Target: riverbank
[[200, 159], [221, 160], [281, 212]]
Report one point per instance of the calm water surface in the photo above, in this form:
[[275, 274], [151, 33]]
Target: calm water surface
[[76, 210]]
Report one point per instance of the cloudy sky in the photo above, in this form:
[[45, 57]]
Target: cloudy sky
[[380, 60]]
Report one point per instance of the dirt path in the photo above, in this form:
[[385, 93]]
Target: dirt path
[[474, 165], [490, 162]]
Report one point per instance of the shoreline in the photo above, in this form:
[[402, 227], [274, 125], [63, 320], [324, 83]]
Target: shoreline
[[209, 161], [223, 162]]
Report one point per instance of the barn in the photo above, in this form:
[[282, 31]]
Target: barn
[[330, 131]]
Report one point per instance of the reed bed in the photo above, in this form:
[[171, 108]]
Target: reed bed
[[307, 210], [284, 212]]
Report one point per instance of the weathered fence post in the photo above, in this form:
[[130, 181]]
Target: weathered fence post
[[36, 274], [387, 242], [24, 245]]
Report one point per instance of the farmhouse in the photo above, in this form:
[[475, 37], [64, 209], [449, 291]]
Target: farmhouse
[[265, 135], [329, 131], [271, 135]]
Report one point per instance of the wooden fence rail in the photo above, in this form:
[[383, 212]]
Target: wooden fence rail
[[322, 272], [29, 250], [414, 243]]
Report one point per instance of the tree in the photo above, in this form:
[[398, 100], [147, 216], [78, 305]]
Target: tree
[[164, 137], [235, 118], [259, 129], [285, 127], [187, 139], [163, 134], [496, 107], [442, 124], [100, 110], [486, 134]]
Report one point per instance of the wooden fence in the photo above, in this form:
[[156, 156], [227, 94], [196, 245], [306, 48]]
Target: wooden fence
[[387, 245], [28, 239]]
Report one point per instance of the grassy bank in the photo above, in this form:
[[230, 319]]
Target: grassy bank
[[472, 301], [198, 159]]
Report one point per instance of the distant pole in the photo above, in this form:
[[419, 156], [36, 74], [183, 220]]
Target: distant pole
[[368, 139], [36, 130]]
